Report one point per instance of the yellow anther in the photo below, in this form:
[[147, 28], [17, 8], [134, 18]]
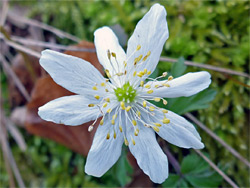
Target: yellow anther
[[125, 72], [149, 52], [114, 116], [108, 136], [150, 91], [134, 122], [144, 103], [107, 80], [149, 72], [139, 58], [138, 47], [122, 105], [112, 121], [141, 83], [107, 99], [166, 120], [126, 141], [109, 55], [133, 141], [138, 113], [101, 122], [107, 73], [166, 85], [165, 102], [157, 99], [156, 129], [140, 74], [151, 108], [119, 73], [97, 97], [128, 108], [91, 105], [164, 111], [113, 54], [109, 110], [94, 88], [136, 132], [156, 86], [164, 74], [124, 63], [134, 73], [106, 90], [170, 78], [147, 86], [105, 105], [114, 135], [158, 124], [120, 128], [103, 84], [145, 71]]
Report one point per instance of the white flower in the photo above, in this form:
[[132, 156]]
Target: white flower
[[122, 99]]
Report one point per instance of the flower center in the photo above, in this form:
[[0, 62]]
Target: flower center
[[126, 93]]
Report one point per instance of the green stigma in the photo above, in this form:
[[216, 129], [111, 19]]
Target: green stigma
[[126, 93]]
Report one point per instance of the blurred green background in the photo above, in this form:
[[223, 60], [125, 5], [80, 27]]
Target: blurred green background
[[209, 32]]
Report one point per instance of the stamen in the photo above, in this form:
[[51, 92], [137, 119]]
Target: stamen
[[164, 74], [157, 99], [166, 85], [133, 141], [151, 108], [105, 105], [90, 128], [170, 78], [91, 105], [109, 110], [164, 111], [136, 132], [150, 91], [120, 128], [149, 72], [107, 99], [166, 120], [156, 129], [112, 121], [142, 83], [134, 74], [128, 108], [158, 124], [134, 122], [144, 103], [108, 136], [138, 113], [102, 121], [103, 84], [165, 102], [126, 141], [122, 104], [114, 135], [109, 55], [138, 47], [94, 88], [97, 97], [107, 73], [113, 54], [147, 86]]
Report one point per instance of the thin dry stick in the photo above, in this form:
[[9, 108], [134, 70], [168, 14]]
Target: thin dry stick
[[225, 177], [229, 148], [8, 151], [23, 49], [31, 42], [5, 9], [36, 23], [210, 67], [12, 74]]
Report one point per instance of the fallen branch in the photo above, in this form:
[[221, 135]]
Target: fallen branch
[[17, 19], [223, 143], [210, 67], [225, 177], [13, 75]]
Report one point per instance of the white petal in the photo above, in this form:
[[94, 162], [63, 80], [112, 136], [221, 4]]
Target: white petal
[[70, 110], [148, 153], [74, 74], [186, 85], [104, 152], [178, 132], [151, 33], [105, 40]]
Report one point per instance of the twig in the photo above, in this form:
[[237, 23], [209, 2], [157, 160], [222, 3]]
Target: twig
[[12, 74], [225, 177], [5, 9], [36, 23], [223, 143], [210, 67], [7, 149], [23, 49], [50, 45]]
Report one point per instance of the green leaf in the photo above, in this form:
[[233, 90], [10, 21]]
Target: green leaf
[[213, 180], [193, 164], [183, 105], [172, 181], [178, 68]]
